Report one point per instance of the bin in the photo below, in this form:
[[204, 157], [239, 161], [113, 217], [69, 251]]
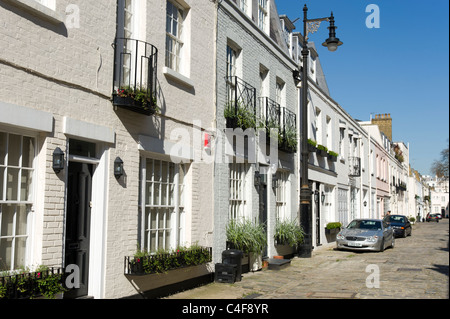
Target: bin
[[225, 273], [234, 257]]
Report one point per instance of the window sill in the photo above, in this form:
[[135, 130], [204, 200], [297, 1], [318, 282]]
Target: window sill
[[177, 77], [39, 10]]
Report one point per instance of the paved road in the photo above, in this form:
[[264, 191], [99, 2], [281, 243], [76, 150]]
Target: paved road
[[418, 267]]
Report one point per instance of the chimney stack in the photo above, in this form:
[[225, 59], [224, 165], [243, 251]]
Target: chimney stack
[[384, 122]]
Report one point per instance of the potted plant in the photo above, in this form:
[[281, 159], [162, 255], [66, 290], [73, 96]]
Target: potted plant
[[312, 145], [239, 115], [333, 228], [332, 156], [322, 150], [137, 100], [290, 140], [288, 233], [248, 237]]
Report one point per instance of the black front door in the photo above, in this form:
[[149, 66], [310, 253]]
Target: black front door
[[79, 191]]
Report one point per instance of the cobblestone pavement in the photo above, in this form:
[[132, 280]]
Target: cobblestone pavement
[[418, 267]]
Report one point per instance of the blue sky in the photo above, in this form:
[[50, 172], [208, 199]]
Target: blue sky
[[401, 68]]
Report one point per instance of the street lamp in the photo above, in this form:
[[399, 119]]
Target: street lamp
[[332, 43]]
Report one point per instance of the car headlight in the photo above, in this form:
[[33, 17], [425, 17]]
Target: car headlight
[[372, 239], [340, 236]]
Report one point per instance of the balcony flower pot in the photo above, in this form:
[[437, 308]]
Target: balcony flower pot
[[332, 156], [322, 151], [331, 231], [312, 146], [129, 103]]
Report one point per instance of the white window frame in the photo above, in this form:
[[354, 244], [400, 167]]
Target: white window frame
[[173, 234], [17, 202], [174, 55], [282, 197], [263, 14], [237, 191]]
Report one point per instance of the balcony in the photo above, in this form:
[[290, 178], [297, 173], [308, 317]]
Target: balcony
[[270, 117], [288, 139], [135, 76], [240, 108], [354, 166]]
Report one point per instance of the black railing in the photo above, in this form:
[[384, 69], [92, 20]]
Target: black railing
[[32, 284], [288, 131], [162, 262], [135, 75], [354, 166], [270, 113], [240, 108]]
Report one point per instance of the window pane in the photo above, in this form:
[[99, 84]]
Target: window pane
[[12, 183], [2, 178], [149, 193], [157, 171], [153, 219], [28, 152], [14, 147], [19, 253], [2, 148], [7, 220], [21, 221], [25, 185], [161, 240], [164, 171], [161, 219], [5, 254]]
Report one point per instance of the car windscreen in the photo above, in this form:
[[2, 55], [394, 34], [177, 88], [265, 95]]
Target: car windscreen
[[365, 224], [396, 219]]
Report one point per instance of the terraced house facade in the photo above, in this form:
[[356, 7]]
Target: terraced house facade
[[134, 125]]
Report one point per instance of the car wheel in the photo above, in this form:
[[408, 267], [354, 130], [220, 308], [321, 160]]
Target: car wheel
[[405, 234], [410, 232]]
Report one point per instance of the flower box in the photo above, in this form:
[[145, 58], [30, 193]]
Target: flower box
[[129, 103], [45, 283], [332, 158], [151, 282]]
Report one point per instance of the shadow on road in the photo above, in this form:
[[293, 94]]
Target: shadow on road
[[443, 269]]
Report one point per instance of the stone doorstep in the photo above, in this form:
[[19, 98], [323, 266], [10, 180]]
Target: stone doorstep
[[278, 264]]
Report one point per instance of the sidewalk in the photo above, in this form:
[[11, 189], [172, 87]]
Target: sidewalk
[[251, 283]]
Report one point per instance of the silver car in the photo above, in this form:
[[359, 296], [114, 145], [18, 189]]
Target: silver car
[[366, 234]]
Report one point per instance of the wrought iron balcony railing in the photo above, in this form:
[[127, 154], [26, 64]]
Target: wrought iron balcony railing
[[240, 108], [288, 131], [135, 75], [270, 114], [354, 166]]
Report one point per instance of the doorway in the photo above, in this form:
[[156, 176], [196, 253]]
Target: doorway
[[318, 202], [263, 210], [78, 223]]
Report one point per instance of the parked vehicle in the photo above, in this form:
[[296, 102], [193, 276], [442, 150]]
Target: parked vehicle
[[366, 234], [400, 224], [433, 218]]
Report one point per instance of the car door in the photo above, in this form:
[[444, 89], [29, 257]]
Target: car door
[[408, 227], [388, 232]]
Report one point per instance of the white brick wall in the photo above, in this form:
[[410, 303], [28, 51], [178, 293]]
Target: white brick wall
[[68, 73], [257, 48]]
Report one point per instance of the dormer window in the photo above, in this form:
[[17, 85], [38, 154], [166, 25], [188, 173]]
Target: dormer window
[[263, 15]]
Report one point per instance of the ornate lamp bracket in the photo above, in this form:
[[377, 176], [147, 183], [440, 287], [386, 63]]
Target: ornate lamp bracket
[[312, 25]]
